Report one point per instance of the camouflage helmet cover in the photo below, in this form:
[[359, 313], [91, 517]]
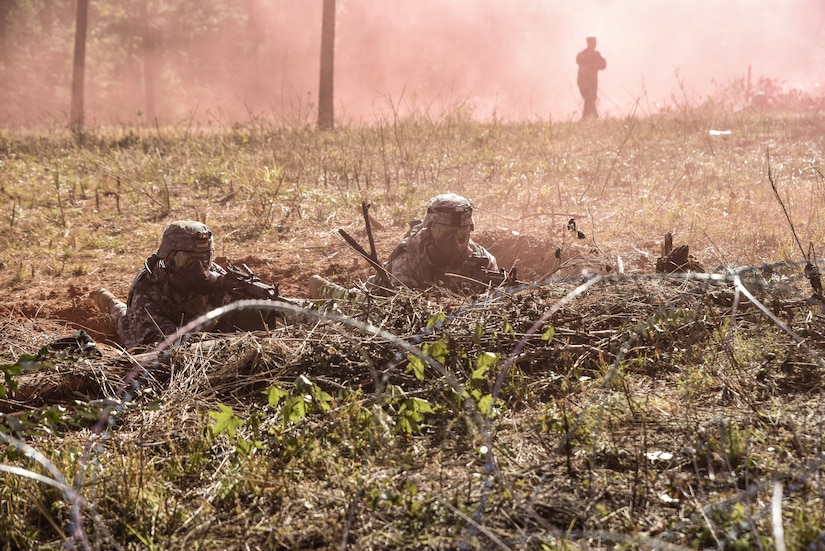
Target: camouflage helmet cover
[[186, 235], [450, 209]]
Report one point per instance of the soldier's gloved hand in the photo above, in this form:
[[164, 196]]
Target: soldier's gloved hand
[[476, 262]]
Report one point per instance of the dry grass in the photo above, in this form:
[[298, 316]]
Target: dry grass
[[661, 413]]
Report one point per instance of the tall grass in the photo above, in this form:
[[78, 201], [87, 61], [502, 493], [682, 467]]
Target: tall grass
[[627, 181]]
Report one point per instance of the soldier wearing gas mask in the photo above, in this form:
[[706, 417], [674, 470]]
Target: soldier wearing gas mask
[[177, 284], [438, 246]]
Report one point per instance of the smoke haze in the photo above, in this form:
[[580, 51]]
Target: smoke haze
[[511, 59]]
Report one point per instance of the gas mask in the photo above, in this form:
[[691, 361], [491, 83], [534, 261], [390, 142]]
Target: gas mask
[[450, 246], [191, 273]]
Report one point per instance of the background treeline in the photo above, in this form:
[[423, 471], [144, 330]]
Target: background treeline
[[173, 59]]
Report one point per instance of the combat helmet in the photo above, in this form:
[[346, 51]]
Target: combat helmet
[[449, 209], [188, 236]]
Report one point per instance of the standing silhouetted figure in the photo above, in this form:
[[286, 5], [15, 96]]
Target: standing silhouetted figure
[[590, 62]]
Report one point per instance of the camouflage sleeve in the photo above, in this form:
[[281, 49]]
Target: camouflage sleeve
[[153, 311], [406, 271], [145, 322], [408, 264]]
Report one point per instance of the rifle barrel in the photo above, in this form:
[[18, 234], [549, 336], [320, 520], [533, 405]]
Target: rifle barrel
[[360, 250], [365, 209]]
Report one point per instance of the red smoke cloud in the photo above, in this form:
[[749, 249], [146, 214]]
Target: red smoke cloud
[[512, 59], [516, 58]]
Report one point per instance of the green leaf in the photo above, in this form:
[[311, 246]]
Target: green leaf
[[225, 421], [322, 399], [11, 369], [436, 321], [25, 363], [485, 404], [274, 395], [295, 409], [548, 334], [246, 447], [439, 351], [487, 360], [479, 332], [411, 414], [483, 363], [404, 425], [416, 364], [508, 329], [419, 405]]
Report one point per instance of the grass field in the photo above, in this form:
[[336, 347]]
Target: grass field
[[602, 407]]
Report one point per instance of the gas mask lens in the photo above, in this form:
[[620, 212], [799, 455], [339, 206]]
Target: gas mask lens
[[443, 232], [185, 260]]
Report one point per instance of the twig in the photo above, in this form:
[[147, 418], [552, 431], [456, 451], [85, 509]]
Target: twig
[[772, 180]]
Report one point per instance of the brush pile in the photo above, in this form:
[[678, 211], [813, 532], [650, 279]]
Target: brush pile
[[643, 322]]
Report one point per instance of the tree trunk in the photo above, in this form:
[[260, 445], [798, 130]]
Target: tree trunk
[[76, 114], [5, 23], [325, 98], [149, 62]]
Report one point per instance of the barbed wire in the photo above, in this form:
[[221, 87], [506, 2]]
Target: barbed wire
[[411, 345]]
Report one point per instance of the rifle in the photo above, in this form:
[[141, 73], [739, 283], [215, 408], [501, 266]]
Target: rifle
[[243, 284], [474, 268], [365, 207], [372, 255], [359, 249]]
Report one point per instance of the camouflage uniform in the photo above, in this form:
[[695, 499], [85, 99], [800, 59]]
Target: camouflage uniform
[[154, 309], [419, 262], [177, 284]]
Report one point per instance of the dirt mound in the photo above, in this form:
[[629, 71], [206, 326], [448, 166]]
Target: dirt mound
[[538, 258]]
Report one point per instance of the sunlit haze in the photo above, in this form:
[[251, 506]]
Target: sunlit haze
[[511, 59]]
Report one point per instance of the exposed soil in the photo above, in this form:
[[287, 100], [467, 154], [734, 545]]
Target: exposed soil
[[66, 298]]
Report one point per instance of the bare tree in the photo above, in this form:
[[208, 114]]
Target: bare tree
[[5, 20], [149, 61], [325, 98], [76, 114]]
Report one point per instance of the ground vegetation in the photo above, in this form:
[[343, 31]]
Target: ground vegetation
[[601, 405]]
